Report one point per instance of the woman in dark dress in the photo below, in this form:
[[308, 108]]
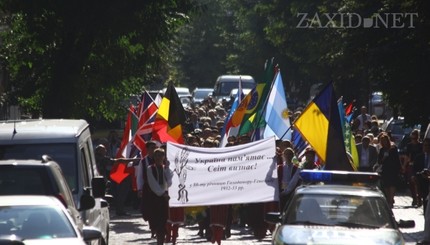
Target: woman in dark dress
[[389, 167]]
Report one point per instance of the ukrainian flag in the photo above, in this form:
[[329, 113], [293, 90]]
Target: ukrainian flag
[[319, 125]]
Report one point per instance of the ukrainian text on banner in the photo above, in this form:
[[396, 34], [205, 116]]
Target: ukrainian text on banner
[[230, 175]]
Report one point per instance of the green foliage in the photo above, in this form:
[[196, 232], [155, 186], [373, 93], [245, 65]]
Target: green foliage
[[84, 59]]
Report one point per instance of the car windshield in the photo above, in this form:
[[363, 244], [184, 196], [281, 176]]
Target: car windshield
[[61, 153], [35, 222], [226, 87], [339, 210], [201, 94]]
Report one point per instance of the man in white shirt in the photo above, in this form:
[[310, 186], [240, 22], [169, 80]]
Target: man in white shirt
[[368, 155], [363, 118]]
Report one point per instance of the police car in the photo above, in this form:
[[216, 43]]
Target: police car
[[337, 207]]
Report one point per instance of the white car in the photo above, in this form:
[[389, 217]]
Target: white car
[[337, 207], [40, 220]]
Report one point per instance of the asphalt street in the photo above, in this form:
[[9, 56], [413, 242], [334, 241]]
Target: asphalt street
[[134, 230]]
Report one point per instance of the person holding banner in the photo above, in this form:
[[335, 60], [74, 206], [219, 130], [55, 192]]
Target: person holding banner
[[159, 178], [286, 172], [141, 179], [295, 181], [176, 217], [218, 215]]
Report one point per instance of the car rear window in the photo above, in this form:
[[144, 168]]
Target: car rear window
[[63, 153], [24, 180]]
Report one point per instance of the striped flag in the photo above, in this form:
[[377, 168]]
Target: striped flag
[[320, 126], [146, 113], [276, 112], [170, 118]]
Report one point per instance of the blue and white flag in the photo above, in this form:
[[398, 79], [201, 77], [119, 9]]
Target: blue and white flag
[[277, 114]]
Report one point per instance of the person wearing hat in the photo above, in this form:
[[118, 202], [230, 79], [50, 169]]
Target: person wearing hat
[[367, 155]]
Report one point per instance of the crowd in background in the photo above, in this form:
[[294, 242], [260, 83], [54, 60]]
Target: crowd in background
[[204, 128]]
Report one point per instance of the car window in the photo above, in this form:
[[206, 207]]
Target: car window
[[25, 181], [35, 222], [63, 154], [343, 210], [201, 94]]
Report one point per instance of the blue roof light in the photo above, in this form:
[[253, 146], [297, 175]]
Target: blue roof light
[[338, 176], [315, 176]]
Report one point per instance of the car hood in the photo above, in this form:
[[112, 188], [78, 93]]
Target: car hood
[[336, 235]]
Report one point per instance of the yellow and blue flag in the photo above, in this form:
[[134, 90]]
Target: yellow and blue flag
[[319, 124]]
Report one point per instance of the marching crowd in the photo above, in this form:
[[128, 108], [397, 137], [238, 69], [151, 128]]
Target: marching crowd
[[149, 189]]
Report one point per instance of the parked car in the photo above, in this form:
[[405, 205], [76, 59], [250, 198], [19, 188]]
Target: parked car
[[68, 142], [378, 106], [225, 83], [181, 91], [186, 101], [199, 94], [41, 177], [233, 92], [337, 207], [40, 220], [399, 131]]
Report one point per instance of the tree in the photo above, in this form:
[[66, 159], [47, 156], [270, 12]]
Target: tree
[[84, 59]]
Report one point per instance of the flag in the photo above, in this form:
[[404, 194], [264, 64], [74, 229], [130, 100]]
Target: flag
[[147, 113], [276, 112], [319, 124], [119, 171], [298, 143], [169, 119], [349, 111], [348, 137], [253, 114], [228, 120]]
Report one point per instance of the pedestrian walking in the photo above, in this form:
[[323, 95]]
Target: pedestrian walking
[[157, 197], [389, 167], [421, 164], [367, 154]]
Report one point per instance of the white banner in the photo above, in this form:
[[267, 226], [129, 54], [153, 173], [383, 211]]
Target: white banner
[[230, 175]]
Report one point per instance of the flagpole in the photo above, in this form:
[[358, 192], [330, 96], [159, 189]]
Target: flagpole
[[259, 115]]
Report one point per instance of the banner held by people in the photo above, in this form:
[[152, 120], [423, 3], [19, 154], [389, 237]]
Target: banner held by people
[[231, 175]]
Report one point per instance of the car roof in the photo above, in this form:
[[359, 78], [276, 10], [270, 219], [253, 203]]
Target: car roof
[[22, 200], [335, 189], [26, 162], [36, 130], [243, 77], [203, 89]]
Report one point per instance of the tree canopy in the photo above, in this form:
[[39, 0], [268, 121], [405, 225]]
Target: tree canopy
[[82, 59], [85, 58]]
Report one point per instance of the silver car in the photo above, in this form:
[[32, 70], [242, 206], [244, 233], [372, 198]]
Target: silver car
[[336, 211], [40, 220]]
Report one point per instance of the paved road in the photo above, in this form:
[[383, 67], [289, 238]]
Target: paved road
[[132, 229]]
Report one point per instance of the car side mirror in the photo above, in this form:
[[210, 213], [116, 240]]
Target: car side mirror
[[86, 202], [273, 217], [98, 185], [90, 233], [406, 223]]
